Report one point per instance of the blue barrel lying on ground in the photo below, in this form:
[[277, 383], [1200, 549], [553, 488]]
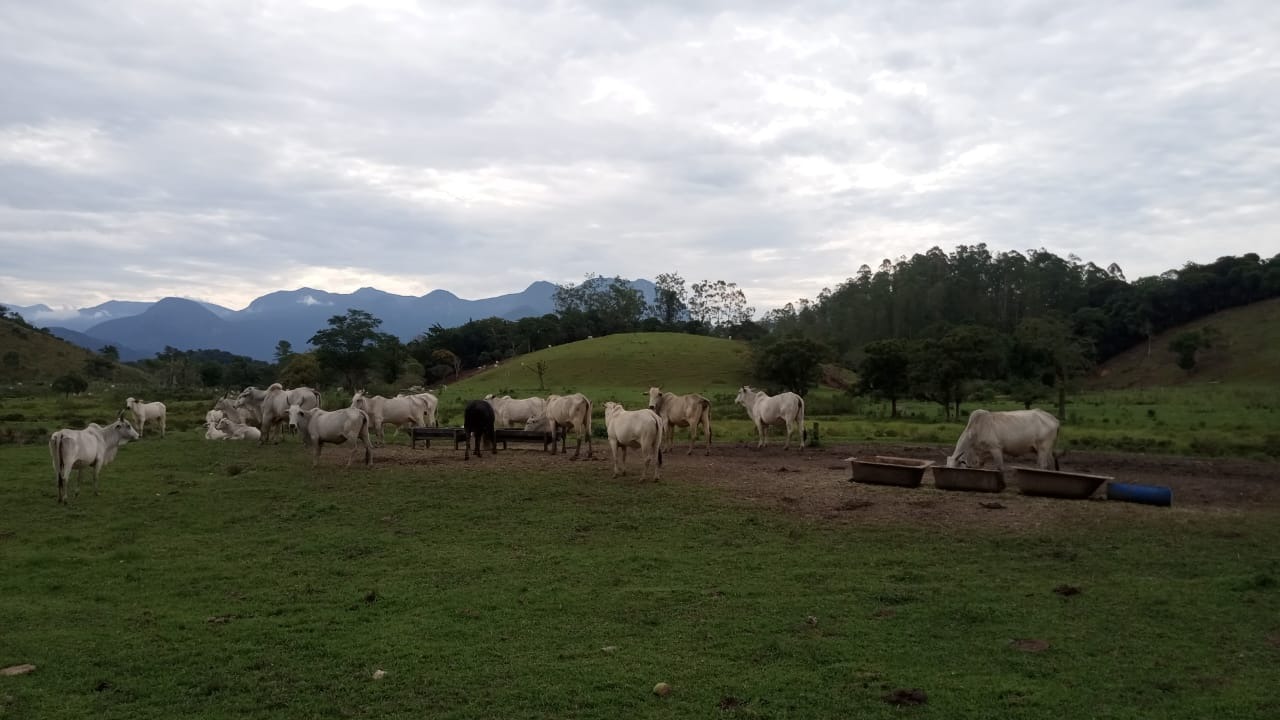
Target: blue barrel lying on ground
[[1145, 494]]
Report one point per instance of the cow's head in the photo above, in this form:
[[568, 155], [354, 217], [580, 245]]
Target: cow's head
[[655, 399], [744, 393], [126, 430], [295, 412]]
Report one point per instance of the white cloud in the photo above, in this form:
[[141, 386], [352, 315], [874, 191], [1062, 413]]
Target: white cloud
[[223, 152]]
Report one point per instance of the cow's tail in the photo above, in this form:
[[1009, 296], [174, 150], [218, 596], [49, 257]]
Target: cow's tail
[[316, 392], [55, 449], [804, 434], [662, 433], [364, 436], [1058, 455], [706, 419]]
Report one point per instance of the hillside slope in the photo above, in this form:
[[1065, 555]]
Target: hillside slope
[[29, 356], [1248, 353], [618, 365]]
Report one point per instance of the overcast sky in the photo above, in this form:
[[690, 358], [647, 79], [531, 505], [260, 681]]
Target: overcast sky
[[222, 150]]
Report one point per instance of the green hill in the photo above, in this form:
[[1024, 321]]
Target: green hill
[[619, 367], [1246, 353], [32, 357]]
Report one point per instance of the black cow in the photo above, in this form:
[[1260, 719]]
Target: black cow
[[477, 420]]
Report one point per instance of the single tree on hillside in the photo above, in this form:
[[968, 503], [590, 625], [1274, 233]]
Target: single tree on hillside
[[793, 363], [69, 385], [346, 345], [885, 371], [1187, 345]]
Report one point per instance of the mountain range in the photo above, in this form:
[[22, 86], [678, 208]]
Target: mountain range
[[142, 329]]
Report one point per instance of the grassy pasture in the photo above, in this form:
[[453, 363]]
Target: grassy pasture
[[216, 579]]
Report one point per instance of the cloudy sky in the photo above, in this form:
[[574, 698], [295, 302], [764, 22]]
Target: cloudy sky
[[221, 150]]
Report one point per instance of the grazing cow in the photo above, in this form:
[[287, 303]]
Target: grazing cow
[[271, 406], [477, 421], [573, 412], [317, 427], [515, 413], [1017, 432], [143, 412], [237, 431], [399, 410], [643, 429], [765, 410], [682, 411], [93, 447]]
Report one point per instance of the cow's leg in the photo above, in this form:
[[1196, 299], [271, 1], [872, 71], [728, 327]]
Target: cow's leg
[[761, 429], [316, 460], [97, 468], [1044, 454], [613, 448], [162, 423], [997, 457]]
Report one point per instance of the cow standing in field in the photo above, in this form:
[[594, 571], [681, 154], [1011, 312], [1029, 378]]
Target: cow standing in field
[[478, 420], [989, 435], [511, 412], [643, 429], [571, 411], [399, 410], [271, 406], [682, 411], [429, 404], [765, 410], [142, 412], [93, 447], [317, 427]]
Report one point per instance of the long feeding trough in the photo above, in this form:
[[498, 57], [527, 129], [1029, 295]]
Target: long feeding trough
[[885, 470], [1059, 484], [970, 479]]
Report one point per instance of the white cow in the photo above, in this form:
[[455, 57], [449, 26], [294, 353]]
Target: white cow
[[641, 429], [571, 411], [227, 407], [211, 420], [399, 410], [271, 406], [232, 430], [765, 410], [143, 412], [93, 447], [1017, 432], [430, 403], [682, 411], [511, 412], [318, 427]]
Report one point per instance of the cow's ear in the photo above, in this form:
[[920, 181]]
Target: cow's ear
[[120, 415]]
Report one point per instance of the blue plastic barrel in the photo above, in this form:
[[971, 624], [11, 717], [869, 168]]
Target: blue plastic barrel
[[1145, 494]]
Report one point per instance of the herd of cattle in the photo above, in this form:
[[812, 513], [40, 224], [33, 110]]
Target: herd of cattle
[[261, 414]]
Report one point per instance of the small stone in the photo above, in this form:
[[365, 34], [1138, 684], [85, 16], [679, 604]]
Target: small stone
[[662, 689], [24, 669], [609, 648], [379, 674]]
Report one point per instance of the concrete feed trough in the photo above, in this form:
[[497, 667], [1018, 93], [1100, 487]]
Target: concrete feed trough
[[971, 479], [882, 470], [1054, 483]]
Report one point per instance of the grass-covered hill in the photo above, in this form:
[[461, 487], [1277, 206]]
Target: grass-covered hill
[[31, 357], [619, 366], [1247, 352]]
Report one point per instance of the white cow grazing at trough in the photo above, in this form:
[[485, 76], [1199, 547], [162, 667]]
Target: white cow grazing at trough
[[92, 447], [765, 410], [1017, 432], [511, 412], [143, 412], [237, 431], [318, 427], [570, 411], [429, 404], [271, 406], [399, 410], [643, 429], [682, 411]]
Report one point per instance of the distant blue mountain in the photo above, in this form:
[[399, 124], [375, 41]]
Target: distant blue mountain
[[141, 329]]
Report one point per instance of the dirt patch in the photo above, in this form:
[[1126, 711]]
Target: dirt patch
[[1067, 590], [906, 696], [1274, 640], [1030, 645], [815, 483], [729, 702]]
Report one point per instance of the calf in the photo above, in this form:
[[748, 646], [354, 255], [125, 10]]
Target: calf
[[143, 412], [478, 421], [93, 447]]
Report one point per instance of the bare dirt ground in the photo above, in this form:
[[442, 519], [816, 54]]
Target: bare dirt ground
[[815, 483]]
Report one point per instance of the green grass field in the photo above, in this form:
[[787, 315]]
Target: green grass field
[[226, 580]]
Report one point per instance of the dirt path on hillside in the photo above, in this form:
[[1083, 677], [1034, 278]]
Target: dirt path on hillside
[[815, 483]]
